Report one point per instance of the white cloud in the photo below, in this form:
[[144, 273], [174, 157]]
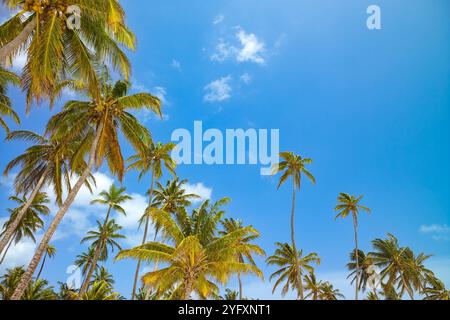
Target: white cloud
[[219, 19], [245, 47], [134, 208], [176, 64], [199, 189], [246, 78], [438, 232], [18, 255], [19, 62], [218, 90]]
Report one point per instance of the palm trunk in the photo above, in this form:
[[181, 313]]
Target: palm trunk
[[10, 231], [7, 249], [298, 282], [144, 238], [7, 50], [240, 286], [355, 226], [26, 278], [188, 289], [98, 250], [42, 266]]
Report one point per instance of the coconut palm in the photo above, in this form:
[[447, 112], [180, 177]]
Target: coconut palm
[[436, 290], [291, 265], [30, 222], [152, 158], [44, 163], [105, 235], [85, 259], [39, 30], [372, 295], [66, 292], [100, 291], [49, 252], [360, 271], [230, 295], [247, 248], [113, 199], [197, 258], [100, 121], [102, 275], [6, 109], [39, 290], [172, 196], [9, 281], [347, 205], [294, 166], [328, 292], [312, 286]]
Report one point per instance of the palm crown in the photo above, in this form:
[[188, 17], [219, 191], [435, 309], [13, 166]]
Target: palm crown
[[6, 109]]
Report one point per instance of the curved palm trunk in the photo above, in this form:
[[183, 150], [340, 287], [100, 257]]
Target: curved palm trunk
[[240, 286], [298, 281], [26, 278], [6, 250], [98, 250], [355, 227], [12, 228], [42, 266], [8, 49], [144, 238]]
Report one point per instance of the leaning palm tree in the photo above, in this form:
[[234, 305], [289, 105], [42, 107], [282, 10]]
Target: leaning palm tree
[[197, 258], [247, 248], [6, 109], [151, 159], [294, 166], [85, 259], [347, 205], [55, 49], [436, 290], [100, 121], [291, 265], [113, 199], [49, 252], [45, 163], [105, 235], [312, 286], [30, 222], [328, 292]]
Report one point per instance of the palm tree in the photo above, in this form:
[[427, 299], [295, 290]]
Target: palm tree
[[348, 204], [102, 275], [66, 292], [172, 196], [291, 265], [7, 77], [294, 166], [151, 158], [328, 292], [360, 270], [106, 235], [313, 286], [396, 265], [49, 252], [100, 291], [372, 295], [436, 290], [9, 281], [99, 121], [113, 199], [54, 50], [247, 249], [30, 221], [230, 295], [199, 257], [85, 259], [36, 290], [44, 163], [39, 290]]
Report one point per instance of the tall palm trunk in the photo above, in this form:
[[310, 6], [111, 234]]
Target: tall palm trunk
[[240, 285], [12, 46], [26, 278], [355, 227], [42, 266], [144, 238], [188, 288], [6, 250], [98, 250], [298, 281], [12, 228]]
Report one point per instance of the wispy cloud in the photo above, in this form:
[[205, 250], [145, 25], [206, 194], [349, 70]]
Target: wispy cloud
[[219, 19], [439, 232], [176, 64], [218, 90], [245, 78]]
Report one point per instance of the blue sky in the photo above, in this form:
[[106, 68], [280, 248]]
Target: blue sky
[[371, 107]]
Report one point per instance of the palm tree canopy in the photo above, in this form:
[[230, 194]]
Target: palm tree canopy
[[348, 204], [105, 235], [6, 109], [284, 257], [54, 50], [84, 260], [111, 113], [293, 166], [172, 197], [113, 198]]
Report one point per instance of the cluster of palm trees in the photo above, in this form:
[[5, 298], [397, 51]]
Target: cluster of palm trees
[[194, 251]]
